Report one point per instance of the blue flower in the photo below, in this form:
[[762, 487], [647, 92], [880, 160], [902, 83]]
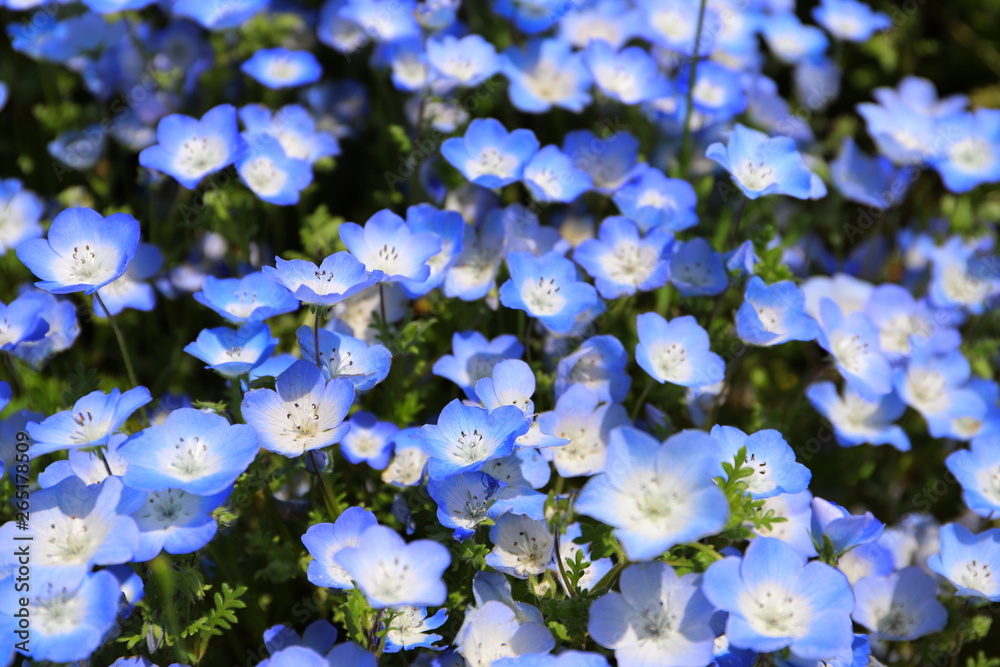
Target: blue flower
[[380, 23], [550, 176], [854, 343], [175, 521], [629, 76], [304, 411], [530, 16], [391, 572], [546, 73], [568, 548], [696, 269], [90, 422], [294, 127], [283, 68], [369, 440], [611, 160], [655, 495], [743, 259], [612, 21], [872, 181], [900, 132], [621, 262], [474, 272], [762, 165], [5, 395], [775, 600], [677, 351], [233, 353], [906, 324], [598, 364], [325, 540], [75, 527], [90, 466], [495, 629], [774, 314], [969, 561], [21, 321], [22, 210], [341, 355], [976, 470], [673, 24], [409, 629], [449, 228], [465, 437], [197, 452], [934, 385], [84, 251], [338, 277], [792, 41], [653, 200], [718, 91], [512, 382], [387, 244], [270, 173], [962, 278], [319, 636], [79, 150], [657, 614], [775, 470], [132, 289], [850, 20], [219, 14], [522, 546], [487, 155], [900, 607], [845, 531], [188, 149], [796, 508], [464, 62], [252, 298], [857, 421], [463, 500], [64, 328], [474, 357], [972, 154], [546, 287]]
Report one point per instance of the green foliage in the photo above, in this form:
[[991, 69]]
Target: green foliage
[[746, 515]]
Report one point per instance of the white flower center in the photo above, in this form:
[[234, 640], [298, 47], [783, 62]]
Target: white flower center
[[928, 390], [200, 155], [282, 69], [851, 352], [190, 460], [263, 176], [630, 264], [755, 176], [491, 162], [69, 542], [60, 614], [671, 360], [655, 199], [550, 82], [90, 264], [543, 298], [972, 154], [775, 612]]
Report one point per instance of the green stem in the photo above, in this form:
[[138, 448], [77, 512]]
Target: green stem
[[642, 399], [563, 579], [333, 508], [381, 305], [735, 228], [705, 549], [685, 156], [124, 350]]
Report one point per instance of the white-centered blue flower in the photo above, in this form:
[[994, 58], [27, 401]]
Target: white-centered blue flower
[[91, 421], [677, 351]]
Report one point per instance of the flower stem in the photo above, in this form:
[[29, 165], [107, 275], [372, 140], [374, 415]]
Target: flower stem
[[381, 305], [332, 506], [642, 397], [685, 156], [124, 350]]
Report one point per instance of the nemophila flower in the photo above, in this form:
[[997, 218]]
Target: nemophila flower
[[849, 293], [774, 314], [775, 470], [565, 659], [387, 244], [324, 541], [193, 451], [611, 21], [920, 95], [978, 471], [677, 351], [189, 149], [319, 636], [270, 173], [465, 437], [519, 474], [91, 421], [493, 630], [762, 165], [796, 509], [654, 201], [696, 269], [867, 560], [512, 382], [657, 495], [906, 324], [407, 59], [474, 357], [283, 68], [850, 20], [294, 128], [5, 395], [79, 149], [656, 614], [587, 423], [902, 606], [474, 271], [342, 355], [630, 76], [368, 440], [347, 654], [60, 315], [338, 277], [410, 628], [84, 251], [467, 61], [132, 289], [550, 176], [218, 14], [530, 16], [21, 321], [74, 527], [568, 548], [233, 352], [902, 134], [872, 181], [599, 364], [971, 156], [845, 531], [391, 572], [175, 521], [933, 384], [304, 411], [961, 278], [408, 459], [449, 228], [20, 213], [776, 600], [857, 421], [718, 91], [488, 155], [252, 298], [969, 562], [791, 40], [673, 24], [522, 546], [67, 623], [611, 160], [621, 262], [854, 343], [546, 73], [546, 287], [463, 500], [90, 466]]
